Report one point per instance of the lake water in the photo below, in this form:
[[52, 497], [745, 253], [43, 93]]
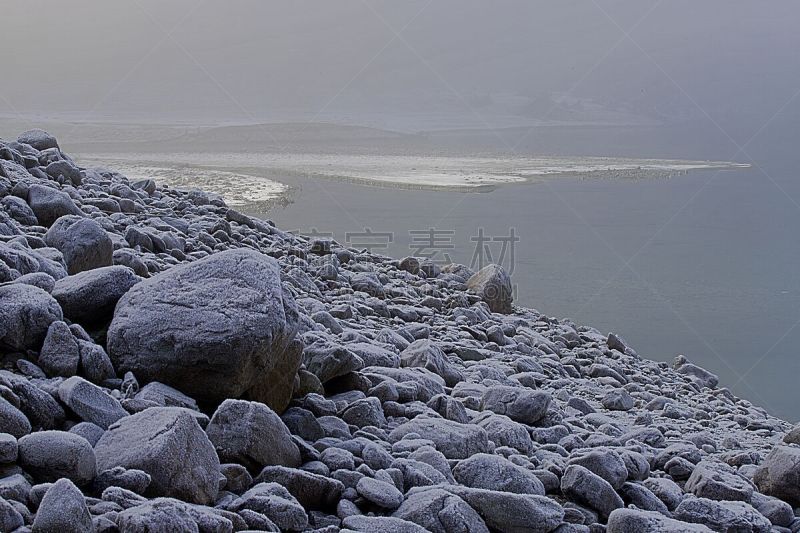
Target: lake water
[[705, 264]]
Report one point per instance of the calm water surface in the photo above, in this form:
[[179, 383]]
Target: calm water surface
[[705, 264]]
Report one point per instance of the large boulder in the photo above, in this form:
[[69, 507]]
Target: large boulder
[[582, 486], [251, 434], [779, 474], [440, 511], [90, 296], [221, 327], [50, 204], [718, 481], [634, 520], [60, 353], [276, 503], [90, 402], [313, 491], [496, 473], [26, 313], [158, 515], [39, 139], [11, 519], [722, 516], [168, 444], [517, 403], [62, 509], [512, 513], [83, 241], [493, 285], [606, 463], [454, 440], [19, 210], [425, 354], [50, 455], [12, 420]]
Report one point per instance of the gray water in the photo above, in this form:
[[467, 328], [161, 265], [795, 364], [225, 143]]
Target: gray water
[[704, 264]]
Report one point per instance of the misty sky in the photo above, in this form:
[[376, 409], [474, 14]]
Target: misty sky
[[437, 63]]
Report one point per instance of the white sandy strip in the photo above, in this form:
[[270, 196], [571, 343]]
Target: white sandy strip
[[432, 171], [236, 189]]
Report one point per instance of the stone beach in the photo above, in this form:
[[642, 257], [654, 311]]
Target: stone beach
[[171, 364]]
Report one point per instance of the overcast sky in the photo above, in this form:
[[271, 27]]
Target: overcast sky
[[438, 63]]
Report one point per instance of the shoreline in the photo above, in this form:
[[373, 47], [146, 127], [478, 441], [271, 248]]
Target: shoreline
[[459, 174], [139, 318]]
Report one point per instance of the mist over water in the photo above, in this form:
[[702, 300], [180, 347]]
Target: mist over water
[[704, 264]]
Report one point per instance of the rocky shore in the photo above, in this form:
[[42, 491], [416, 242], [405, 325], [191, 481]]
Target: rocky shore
[[170, 364]]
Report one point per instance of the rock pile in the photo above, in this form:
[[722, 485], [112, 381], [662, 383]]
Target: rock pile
[[170, 364]]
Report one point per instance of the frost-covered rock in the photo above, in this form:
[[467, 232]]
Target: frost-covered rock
[[225, 328]]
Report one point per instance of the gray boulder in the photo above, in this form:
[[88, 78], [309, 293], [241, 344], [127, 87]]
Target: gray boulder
[[19, 210], [50, 204], [426, 382], [50, 455], [718, 481], [90, 296], [364, 412], [15, 488], [10, 518], [778, 512], [580, 485], [779, 474], [367, 282], [133, 480], [493, 472], [454, 440], [512, 513], [12, 420], [95, 363], [60, 354], [313, 491], [643, 498], [440, 511], [62, 509], [373, 355], [702, 376], [385, 524], [636, 521], [26, 313], [276, 503], [666, 490], [517, 403], [8, 448], [166, 396], [89, 431], [83, 242], [505, 432], [90, 402], [65, 169], [251, 434], [493, 285], [606, 463], [329, 362], [618, 400], [158, 515], [169, 445], [722, 516], [425, 354], [39, 139], [221, 327], [380, 493], [40, 408]]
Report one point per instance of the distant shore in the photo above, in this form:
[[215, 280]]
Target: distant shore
[[257, 176]]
